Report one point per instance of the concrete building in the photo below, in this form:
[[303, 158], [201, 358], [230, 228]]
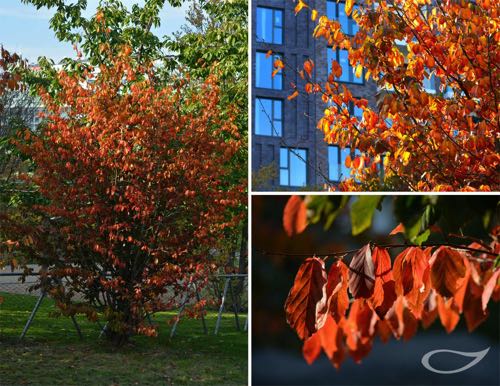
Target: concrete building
[[288, 151]]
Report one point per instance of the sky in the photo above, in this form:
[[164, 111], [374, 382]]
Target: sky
[[25, 30]]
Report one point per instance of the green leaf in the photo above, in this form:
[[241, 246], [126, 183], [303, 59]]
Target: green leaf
[[362, 213], [421, 238]]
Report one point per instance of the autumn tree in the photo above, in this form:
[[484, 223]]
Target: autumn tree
[[341, 301], [446, 140], [136, 187]]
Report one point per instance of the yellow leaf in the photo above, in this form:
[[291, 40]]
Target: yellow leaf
[[359, 71], [299, 6], [348, 7], [314, 14]]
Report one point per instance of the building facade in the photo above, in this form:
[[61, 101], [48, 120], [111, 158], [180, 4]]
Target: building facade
[[288, 151]]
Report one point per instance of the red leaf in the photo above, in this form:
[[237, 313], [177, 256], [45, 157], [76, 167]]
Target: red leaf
[[384, 293], [311, 348], [472, 307], [489, 288], [305, 305], [361, 275], [447, 271], [328, 337], [336, 290], [295, 216]]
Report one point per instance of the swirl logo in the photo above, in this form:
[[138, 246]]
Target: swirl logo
[[477, 355]]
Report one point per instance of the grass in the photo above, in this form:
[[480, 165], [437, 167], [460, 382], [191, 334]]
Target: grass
[[52, 353]]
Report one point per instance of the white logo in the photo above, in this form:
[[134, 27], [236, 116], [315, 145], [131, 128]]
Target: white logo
[[477, 355]]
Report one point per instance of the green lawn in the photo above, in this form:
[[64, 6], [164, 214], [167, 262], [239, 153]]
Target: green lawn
[[52, 353]]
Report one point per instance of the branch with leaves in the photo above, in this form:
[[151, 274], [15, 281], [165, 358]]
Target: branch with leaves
[[342, 308]]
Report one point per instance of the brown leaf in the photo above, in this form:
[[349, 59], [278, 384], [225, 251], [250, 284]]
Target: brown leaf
[[447, 271], [362, 272], [305, 305], [295, 216]]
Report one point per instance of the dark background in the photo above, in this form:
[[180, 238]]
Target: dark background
[[276, 349]]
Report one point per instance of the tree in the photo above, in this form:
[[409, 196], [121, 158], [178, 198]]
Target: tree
[[215, 37], [137, 190], [343, 309], [447, 140]]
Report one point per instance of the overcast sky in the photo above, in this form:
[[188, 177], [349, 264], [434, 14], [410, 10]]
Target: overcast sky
[[25, 30]]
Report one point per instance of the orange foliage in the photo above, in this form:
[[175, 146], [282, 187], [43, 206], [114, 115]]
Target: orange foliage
[[137, 188], [442, 141]]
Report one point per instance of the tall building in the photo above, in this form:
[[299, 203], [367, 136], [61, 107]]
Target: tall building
[[288, 151]]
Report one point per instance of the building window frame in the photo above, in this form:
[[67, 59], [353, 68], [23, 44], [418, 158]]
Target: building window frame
[[274, 26], [285, 167], [274, 131], [276, 79]]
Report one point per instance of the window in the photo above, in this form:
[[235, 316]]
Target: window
[[293, 169], [268, 117], [336, 11], [264, 72], [337, 170], [269, 25], [341, 56]]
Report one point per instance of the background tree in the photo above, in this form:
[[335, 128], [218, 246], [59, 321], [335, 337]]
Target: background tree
[[215, 37], [449, 266], [423, 141]]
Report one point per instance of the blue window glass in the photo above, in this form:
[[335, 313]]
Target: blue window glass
[[341, 56], [293, 167], [269, 25], [264, 67], [336, 11], [333, 163], [268, 117]]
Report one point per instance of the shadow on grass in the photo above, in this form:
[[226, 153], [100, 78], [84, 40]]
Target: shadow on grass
[[53, 354]]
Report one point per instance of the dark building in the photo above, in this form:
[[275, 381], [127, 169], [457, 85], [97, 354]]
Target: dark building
[[288, 151]]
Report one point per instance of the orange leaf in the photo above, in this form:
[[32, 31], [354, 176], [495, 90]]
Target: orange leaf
[[293, 96], [308, 67], [399, 229], [306, 301], [269, 53], [348, 161], [300, 5], [408, 269], [295, 216], [447, 270], [448, 313]]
